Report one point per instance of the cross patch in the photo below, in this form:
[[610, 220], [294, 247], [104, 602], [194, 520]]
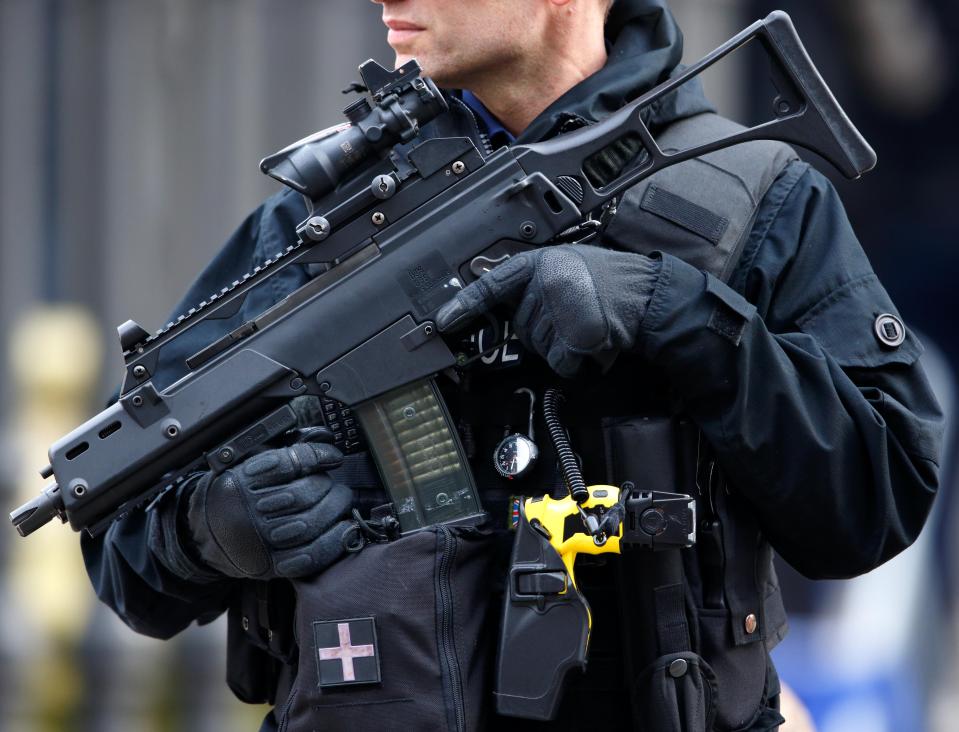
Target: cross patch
[[346, 652]]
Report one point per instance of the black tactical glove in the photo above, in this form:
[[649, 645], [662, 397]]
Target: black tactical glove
[[277, 514], [571, 301]]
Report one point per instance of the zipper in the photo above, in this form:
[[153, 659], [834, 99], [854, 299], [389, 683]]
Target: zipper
[[284, 719], [448, 658], [482, 136], [571, 123]]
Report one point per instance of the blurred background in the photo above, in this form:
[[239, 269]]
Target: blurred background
[[130, 132]]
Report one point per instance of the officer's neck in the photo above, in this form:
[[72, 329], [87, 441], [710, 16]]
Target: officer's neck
[[517, 92]]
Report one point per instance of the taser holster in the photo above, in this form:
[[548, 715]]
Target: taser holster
[[546, 620], [545, 628]]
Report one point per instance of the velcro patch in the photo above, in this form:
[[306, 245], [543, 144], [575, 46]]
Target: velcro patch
[[732, 314], [346, 652], [686, 214]]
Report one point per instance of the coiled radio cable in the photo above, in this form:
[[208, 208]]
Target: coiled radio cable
[[568, 463]]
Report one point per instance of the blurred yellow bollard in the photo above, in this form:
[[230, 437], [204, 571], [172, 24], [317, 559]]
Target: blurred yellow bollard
[[55, 359]]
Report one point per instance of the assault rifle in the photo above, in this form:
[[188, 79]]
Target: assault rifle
[[399, 224]]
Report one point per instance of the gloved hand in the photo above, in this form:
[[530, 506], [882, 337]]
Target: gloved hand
[[571, 301], [276, 514]]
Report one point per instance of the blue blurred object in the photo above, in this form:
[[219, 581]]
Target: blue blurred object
[[886, 698]]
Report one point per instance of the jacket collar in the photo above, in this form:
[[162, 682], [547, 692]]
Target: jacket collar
[[645, 47]]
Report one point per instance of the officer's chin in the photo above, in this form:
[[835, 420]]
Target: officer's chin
[[442, 73], [402, 58]]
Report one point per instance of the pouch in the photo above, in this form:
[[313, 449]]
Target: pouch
[[396, 637], [677, 693]]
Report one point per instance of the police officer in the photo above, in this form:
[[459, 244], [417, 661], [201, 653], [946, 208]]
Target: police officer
[[738, 308]]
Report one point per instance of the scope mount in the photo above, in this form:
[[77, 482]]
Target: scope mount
[[382, 82]]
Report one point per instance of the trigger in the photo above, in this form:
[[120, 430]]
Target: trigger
[[481, 265]]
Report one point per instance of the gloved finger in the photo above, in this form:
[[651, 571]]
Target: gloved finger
[[292, 498], [286, 464], [606, 359], [543, 337], [314, 557], [313, 522], [532, 326], [527, 315], [504, 283], [564, 361], [317, 456]]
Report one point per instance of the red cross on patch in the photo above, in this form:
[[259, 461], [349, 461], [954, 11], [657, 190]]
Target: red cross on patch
[[346, 652]]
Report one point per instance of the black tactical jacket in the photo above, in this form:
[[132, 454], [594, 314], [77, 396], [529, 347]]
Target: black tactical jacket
[[826, 439]]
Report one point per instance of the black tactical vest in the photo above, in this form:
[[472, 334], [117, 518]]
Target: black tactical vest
[[715, 607]]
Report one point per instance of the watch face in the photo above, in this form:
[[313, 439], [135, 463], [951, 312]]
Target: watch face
[[514, 456]]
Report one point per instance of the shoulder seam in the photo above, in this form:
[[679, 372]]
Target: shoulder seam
[[803, 169]]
